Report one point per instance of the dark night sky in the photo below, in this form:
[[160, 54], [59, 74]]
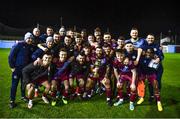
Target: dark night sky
[[118, 16]]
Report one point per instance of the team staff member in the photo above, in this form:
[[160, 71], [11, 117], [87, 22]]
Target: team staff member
[[18, 58]]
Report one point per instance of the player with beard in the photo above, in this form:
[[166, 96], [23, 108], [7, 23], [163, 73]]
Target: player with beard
[[79, 73], [120, 42], [99, 70]]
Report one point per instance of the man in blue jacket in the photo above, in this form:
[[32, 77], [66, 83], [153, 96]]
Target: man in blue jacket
[[39, 52], [138, 43], [49, 32], [158, 51], [18, 58]]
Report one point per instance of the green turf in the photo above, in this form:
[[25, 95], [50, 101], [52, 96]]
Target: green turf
[[96, 107]]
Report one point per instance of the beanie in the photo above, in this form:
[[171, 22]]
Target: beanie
[[28, 35], [62, 29], [49, 39]]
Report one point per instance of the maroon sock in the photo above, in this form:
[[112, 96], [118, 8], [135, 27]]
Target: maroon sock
[[73, 90], [108, 92], [120, 93], [44, 94], [53, 94], [77, 89], [65, 93], [133, 96], [157, 97], [81, 90]]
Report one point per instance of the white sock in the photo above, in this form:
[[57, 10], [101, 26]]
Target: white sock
[[131, 102], [108, 99], [30, 101], [121, 99]]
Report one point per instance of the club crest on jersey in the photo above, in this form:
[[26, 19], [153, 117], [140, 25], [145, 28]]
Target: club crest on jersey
[[103, 61], [125, 69], [133, 57], [144, 61], [15, 76]]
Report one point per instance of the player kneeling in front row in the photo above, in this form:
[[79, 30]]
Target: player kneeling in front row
[[79, 73], [37, 73], [124, 70]]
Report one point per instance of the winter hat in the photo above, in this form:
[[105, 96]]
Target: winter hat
[[49, 39], [28, 35], [62, 29]]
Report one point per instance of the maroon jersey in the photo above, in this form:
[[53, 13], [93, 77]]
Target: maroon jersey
[[122, 68], [88, 58], [77, 49], [65, 73], [101, 63]]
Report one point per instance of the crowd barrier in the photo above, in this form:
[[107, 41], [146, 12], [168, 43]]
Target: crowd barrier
[[171, 48], [7, 44]]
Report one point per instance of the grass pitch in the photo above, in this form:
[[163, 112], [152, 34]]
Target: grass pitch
[[95, 107]]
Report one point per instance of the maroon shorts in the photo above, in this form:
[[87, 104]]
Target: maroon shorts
[[100, 78], [40, 80], [150, 77], [62, 77], [124, 78]]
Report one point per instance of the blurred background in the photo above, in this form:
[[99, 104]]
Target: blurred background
[[118, 17]]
